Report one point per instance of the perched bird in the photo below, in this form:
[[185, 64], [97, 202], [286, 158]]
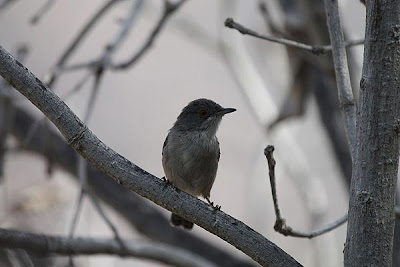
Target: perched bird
[[191, 152]]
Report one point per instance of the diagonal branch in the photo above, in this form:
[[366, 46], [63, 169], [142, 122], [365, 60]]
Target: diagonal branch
[[91, 246], [42, 11], [133, 177], [169, 9]]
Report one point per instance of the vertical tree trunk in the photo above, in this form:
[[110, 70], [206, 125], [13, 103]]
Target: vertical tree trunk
[[372, 197]]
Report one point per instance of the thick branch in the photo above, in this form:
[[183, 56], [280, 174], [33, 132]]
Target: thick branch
[[370, 229], [133, 177], [90, 246]]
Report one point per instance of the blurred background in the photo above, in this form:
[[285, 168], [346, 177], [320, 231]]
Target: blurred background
[[285, 97]]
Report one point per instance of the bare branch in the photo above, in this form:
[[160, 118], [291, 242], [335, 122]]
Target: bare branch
[[5, 3], [42, 11], [280, 223], [133, 177], [51, 78], [346, 97], [169, 9], [315, 49], [91, 246]]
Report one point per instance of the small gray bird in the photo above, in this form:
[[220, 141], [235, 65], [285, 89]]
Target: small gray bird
[[191, 152]]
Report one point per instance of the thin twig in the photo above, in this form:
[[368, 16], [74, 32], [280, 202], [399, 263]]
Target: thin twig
[[315, 49], [53, 75], [104, 60], [59, 245], [75, 217], [280, 223], [103, 215], [169, 9], [40, 13], [346, 98]]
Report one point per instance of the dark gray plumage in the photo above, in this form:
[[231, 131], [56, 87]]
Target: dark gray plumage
[[191, 150]]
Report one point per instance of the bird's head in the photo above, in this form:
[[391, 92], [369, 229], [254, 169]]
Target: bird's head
[[201, 115]]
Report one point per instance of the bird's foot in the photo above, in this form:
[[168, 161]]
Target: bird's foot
[[166, 182], [215, 207]]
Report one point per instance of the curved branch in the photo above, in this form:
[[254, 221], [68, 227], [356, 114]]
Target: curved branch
[[90, 246], [132, 176]]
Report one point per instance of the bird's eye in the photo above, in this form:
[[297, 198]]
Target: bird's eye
[[202, 112]]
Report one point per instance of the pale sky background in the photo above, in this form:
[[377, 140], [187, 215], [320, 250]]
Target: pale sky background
[[135, 109]]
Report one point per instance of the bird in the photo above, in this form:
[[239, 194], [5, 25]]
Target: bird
[[191, 152]]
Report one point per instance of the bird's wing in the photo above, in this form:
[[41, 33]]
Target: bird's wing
[[219, 151], [165, 143]]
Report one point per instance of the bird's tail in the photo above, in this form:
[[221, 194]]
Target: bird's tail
[[178, 221]]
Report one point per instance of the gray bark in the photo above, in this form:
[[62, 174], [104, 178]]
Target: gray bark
[[132, 176], [371, 213]]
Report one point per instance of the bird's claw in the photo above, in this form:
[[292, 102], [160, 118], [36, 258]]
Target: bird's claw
[[166, 182], [215, 207]]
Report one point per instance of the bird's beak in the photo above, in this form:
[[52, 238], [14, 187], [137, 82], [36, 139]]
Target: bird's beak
[[226, 111]]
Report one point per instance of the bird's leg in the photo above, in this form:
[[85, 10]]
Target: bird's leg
[[216, 207], [166, 182]]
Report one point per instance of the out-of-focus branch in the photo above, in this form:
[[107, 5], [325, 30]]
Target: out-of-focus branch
[[43, 9], [315, 49], [143, 249], [346, 98], [5, 3], [169, 9], [51, 78], [280, 223], [133, 177]]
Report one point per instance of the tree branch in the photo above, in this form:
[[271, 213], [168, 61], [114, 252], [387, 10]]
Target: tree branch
[[315, 49], [51, 78], [43, 9], [133, 177], [169, 9], [346, 97], [370, 228], [280, 223], [149, 250]]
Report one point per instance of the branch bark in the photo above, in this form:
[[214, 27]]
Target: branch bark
[[346, 97], [371, 214], [90, 246], [132, 176]]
